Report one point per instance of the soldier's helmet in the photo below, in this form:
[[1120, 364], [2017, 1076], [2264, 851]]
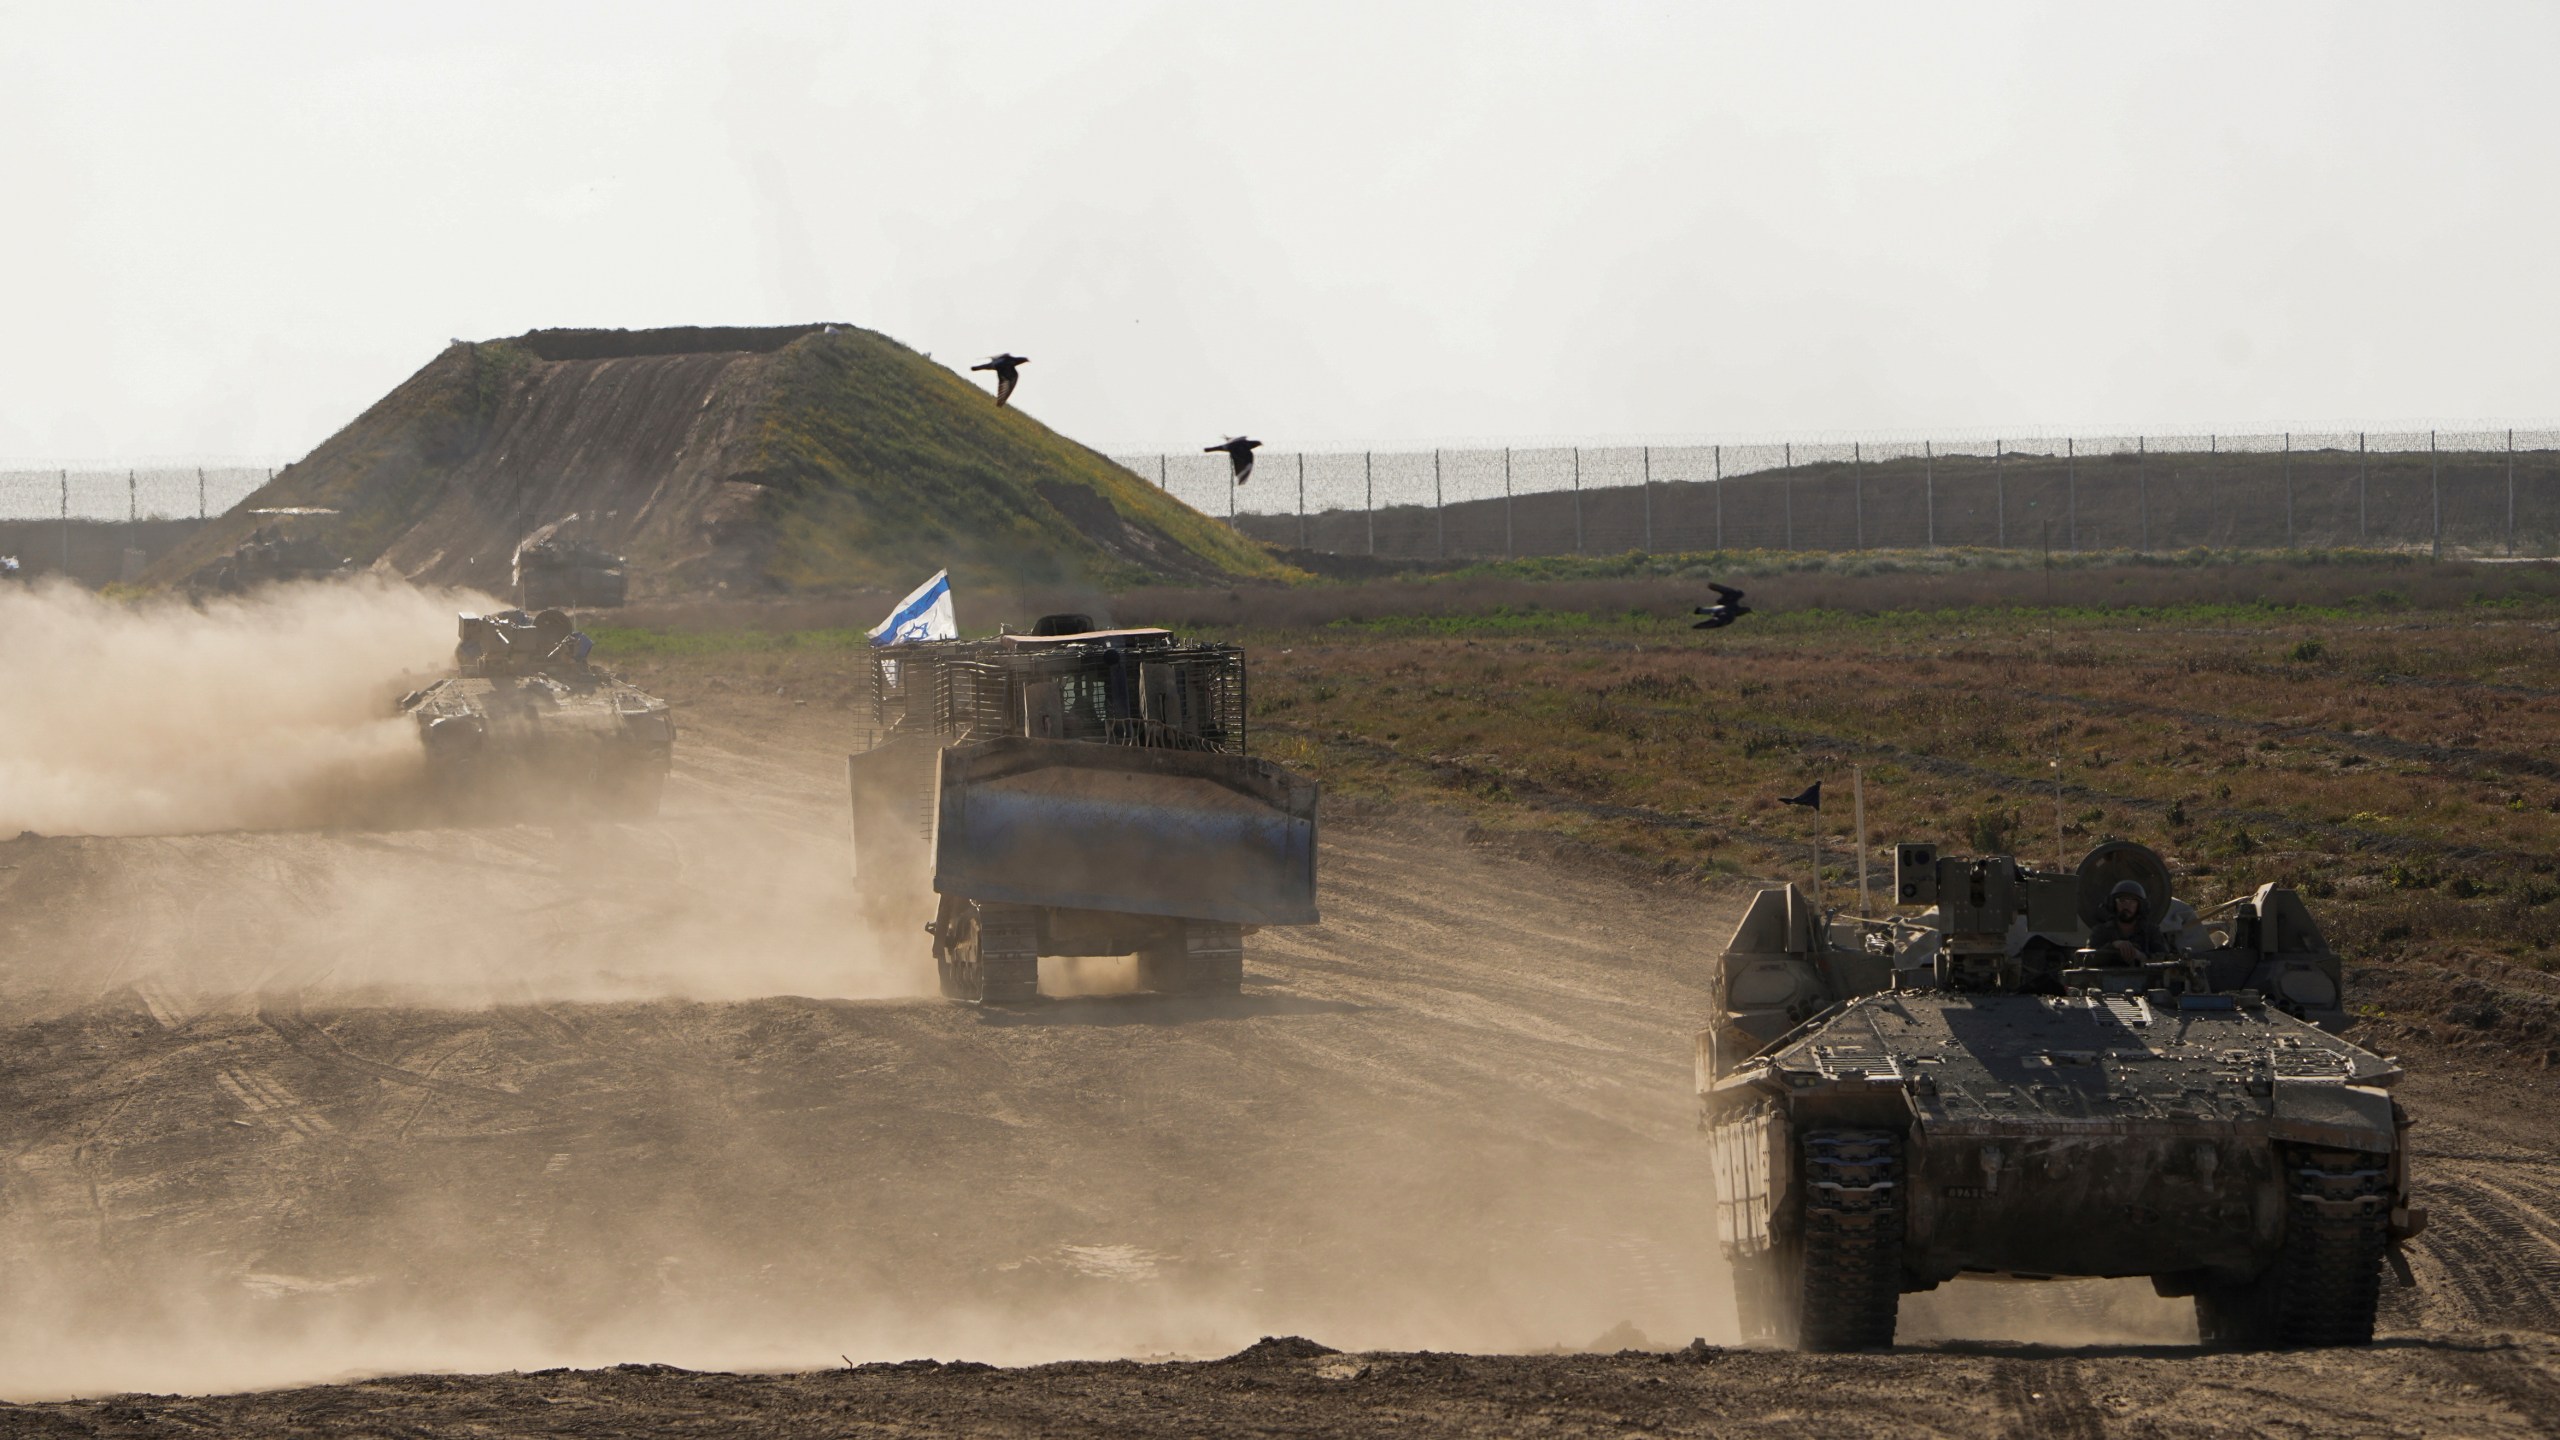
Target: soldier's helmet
[[2132, 888]]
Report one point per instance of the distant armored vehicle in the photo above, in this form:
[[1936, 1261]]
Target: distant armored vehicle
[[555, 571], [2030, 1080], [526, 723], [270, 556], [1078, 792]]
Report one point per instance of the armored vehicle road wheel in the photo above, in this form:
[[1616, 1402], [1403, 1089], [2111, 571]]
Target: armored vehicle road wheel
[[1207, 960], [988, 954], [1842, 1283], [2325, 1284]]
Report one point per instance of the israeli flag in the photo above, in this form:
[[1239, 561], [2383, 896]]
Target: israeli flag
[[924, 615]]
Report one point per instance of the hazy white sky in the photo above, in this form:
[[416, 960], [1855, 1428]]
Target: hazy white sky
[[229, 227]]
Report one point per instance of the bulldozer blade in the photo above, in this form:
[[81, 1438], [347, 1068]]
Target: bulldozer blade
[[1188, 833]]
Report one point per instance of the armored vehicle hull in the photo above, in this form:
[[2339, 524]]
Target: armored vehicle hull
[[570, 574], [269, 557], [1922, 1119], [521, 734]]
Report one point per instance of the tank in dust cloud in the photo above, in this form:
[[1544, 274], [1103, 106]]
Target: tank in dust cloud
[[526, 724], [270, 556], [1976, 1092], [1078, 792]]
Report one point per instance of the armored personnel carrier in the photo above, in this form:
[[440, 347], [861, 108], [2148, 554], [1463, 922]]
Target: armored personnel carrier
[[2031, 1078], [1077, 792], [526, 723], [553, 570]]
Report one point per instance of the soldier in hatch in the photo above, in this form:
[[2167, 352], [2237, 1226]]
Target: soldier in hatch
[[2127, 930]]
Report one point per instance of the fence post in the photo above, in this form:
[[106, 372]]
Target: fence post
[[2361, 517], [200, 494], [1857, 497], [66, 524], [2000, 492], [2511, 492], [132, 504], [1439, 508], [2142, 487], [1506, 502], [2288, 489], [1648, 499], [2071, 494], [1302, 499], [1787, 493], [1369, 500], [1929, 487], [2435, 493], [1577, 499], [1164, 479], [1718, 472]]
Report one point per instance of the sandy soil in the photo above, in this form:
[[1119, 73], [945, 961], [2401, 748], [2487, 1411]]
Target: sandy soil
[[294, 1108]]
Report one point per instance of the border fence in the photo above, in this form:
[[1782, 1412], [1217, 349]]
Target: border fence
[[93, 521], [2459, 492]]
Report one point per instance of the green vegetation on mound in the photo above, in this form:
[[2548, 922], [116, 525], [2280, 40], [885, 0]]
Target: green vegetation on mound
[[880, 456]]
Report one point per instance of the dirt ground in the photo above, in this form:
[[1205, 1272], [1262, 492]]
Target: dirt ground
[[466, 1106]]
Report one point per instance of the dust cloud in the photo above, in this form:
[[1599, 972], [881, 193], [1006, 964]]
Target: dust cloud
[[163, 717]]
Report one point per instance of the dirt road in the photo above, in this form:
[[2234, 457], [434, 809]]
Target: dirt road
[[286, 1108]]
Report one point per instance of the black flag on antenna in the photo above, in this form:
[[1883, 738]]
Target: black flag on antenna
[[1811, 799]]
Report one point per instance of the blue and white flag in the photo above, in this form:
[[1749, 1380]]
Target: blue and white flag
[[924, 615]]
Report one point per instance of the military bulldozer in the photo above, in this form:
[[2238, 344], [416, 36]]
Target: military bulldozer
[[526, 724], [2018, 1083], [1077, 792]]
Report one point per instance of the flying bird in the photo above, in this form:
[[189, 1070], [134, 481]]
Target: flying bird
[[1239, 452], [1008, 369], [1727, 609], [1810, 797]]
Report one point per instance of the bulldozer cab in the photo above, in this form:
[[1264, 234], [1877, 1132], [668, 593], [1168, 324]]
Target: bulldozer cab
[[1140, 686]]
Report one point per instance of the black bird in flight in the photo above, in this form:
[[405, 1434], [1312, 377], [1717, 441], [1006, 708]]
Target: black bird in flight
[[1239, 454], [1811, 798], [1008, 369], [1727, 609]]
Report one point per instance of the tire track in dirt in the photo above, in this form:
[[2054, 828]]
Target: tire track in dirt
[[2493, 1239], [285, 1018], [2047, 1402], [2527, 1390]]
